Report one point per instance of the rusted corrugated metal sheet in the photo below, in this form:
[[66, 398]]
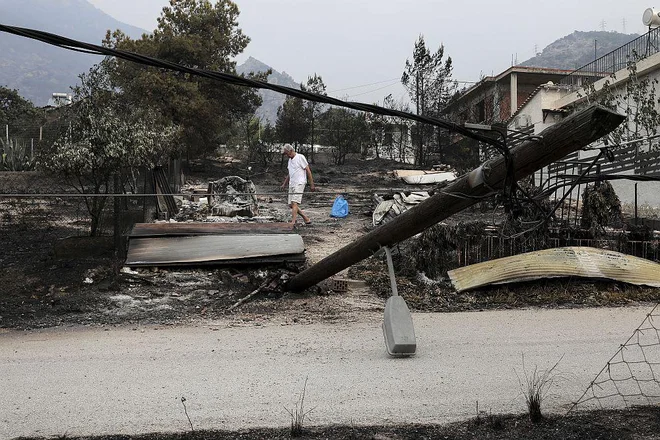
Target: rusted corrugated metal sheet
[[559, 262], [214, 249], [178, 229]]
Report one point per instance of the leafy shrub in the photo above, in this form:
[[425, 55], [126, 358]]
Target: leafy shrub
[[15, 156]]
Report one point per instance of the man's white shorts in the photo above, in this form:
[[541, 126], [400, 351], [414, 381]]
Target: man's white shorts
[[296, 193]]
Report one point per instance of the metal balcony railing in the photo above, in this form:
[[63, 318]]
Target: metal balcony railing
[[639, 48]]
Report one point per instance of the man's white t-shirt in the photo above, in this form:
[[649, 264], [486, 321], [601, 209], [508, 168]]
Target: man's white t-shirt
[[297, 173]]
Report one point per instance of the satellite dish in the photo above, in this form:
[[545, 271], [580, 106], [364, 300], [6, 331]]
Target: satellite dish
[[651, 18]]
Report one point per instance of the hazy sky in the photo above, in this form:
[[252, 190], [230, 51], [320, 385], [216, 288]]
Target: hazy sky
[[360, 47]]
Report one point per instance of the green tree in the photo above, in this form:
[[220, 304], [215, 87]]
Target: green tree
[[18, 113], [377, 132], [19, 122], [107, 137], [427, 78], [388, 135], [258, 147], [197, 34], [316, 85], [291, 124], [346, 131]]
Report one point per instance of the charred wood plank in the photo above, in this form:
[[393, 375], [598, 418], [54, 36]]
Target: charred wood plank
[[200, 228]]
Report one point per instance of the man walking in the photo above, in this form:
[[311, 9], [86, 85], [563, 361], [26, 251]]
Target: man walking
[[299, 175]]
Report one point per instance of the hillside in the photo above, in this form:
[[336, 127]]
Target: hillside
[[37, 69], [271, 100], [577, 49]]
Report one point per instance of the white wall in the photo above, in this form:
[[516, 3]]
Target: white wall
[[552, 98]]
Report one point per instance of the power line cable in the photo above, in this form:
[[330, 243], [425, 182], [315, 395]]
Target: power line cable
[[71, 44], [366, 85], [393, 79], [374, 90]]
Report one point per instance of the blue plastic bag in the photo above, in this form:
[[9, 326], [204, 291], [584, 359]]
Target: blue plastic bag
[[339, 208]]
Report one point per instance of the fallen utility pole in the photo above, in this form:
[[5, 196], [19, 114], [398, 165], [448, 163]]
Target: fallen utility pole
[[567, 136]]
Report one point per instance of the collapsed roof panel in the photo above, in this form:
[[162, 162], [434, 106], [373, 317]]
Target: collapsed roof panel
[[200, 228], [425, 177], [387, 209], [573, 261], [214, 249]]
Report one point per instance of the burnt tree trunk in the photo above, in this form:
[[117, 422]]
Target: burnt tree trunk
[[567, 136]]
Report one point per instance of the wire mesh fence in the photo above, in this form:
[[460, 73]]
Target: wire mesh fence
[[32, 201], [38, 212], [632, 376]]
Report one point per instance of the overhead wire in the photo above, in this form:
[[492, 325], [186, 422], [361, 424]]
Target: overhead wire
[[365, 85], [390, 80], [79, 46], [374, 90], [71, 44]]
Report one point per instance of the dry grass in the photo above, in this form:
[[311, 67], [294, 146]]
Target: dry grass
[[298, 414], [535, 386]]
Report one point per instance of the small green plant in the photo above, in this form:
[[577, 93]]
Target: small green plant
[[298, 414], [535, 387], [15, 156]]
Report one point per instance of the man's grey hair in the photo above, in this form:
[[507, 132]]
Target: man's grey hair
[[286, 148]]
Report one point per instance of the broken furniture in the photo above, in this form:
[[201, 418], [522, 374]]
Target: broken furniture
[[165, 202], [388, 208]]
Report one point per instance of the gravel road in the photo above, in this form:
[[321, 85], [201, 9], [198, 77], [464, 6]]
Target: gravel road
[[127, 380]]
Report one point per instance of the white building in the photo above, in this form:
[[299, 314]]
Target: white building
[[635, 148], [59, 100]]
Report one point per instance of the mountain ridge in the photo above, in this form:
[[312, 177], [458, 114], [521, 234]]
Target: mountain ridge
[[271, 100], [37, 69], [577, 49]]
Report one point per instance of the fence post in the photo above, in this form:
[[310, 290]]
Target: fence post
[[118, 233], [635, 204]]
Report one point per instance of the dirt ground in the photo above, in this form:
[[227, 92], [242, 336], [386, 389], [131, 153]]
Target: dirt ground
[[51, 280], [634, 424]]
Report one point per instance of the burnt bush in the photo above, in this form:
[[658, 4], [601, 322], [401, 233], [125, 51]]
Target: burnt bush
[[601, 208]]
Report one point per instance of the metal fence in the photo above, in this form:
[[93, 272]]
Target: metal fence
[[558, 175], [37, 211], [630, 160], [641, 47], [476, 249]]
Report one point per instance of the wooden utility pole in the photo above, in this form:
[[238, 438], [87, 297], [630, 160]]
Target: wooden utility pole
[[567, 136]]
